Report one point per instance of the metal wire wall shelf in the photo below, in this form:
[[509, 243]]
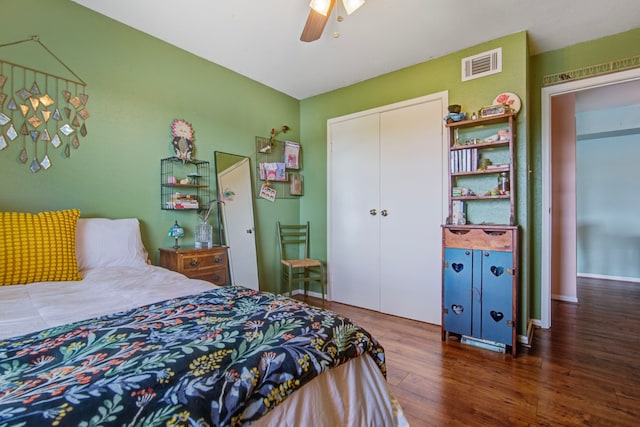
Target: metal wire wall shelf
[[184, 185]]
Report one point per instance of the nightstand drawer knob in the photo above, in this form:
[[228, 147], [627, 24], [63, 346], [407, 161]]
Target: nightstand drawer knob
[[194, 263], [216, 278], [217, 259]]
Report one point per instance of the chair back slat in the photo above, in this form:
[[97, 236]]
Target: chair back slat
[[293, 235]]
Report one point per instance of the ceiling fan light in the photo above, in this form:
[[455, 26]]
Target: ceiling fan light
[[321, 6], [352, 5]]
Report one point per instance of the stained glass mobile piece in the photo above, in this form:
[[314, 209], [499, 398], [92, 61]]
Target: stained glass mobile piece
[[44, 136], [35, 102], [35, 90], [66, 94], [24, 130], [34, 121], [84, 98], [67, 112], [24, 156], [75, 101], [24, 94], [67, 151], [56, 115], [66, 130], [34, 135], [4, 119], [3, 80], [3, 143], [25, 109], [11, 133], [75, 141], [45, 162], [46, 100], [12, 105], [76, 121], [46, 115], [56, 141], [3, 97], [84, 113], [83, 130], [35, 165]]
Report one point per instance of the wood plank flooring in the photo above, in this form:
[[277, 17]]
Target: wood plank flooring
[[585, 370]]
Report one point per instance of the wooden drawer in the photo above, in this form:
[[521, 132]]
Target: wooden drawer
[[202, 261], [217, 276], [208, 264], [478, 237]]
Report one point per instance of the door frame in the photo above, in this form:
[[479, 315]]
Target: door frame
[[547, 179], [443, 96]]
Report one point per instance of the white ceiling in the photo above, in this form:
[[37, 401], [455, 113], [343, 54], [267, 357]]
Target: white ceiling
[[260, 39]]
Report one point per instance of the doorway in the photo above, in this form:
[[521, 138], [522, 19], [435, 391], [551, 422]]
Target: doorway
[[551, 226]]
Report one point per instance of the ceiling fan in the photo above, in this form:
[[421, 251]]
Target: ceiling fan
[[319, 15]]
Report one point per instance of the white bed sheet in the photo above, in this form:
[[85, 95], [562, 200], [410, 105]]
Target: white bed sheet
[[352, 395], [104, 290]]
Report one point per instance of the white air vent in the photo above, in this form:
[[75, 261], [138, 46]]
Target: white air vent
[[481, 65]]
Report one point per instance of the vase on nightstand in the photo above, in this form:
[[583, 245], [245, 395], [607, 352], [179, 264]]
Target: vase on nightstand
[[203, 235]]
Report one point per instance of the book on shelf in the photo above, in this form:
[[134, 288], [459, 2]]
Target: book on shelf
[[465, 160]]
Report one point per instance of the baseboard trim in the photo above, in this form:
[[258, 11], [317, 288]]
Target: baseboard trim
[[309, 293], [605, 277], [527, 340], [564, 298]]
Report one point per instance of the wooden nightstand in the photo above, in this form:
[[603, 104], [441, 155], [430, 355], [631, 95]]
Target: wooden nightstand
[[206, 264]]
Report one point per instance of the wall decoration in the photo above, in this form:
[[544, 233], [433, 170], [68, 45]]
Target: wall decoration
[[292, 155], [273, 160], [33, 105], [183, 138]]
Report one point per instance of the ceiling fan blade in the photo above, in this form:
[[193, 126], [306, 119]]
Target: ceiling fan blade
[[315, 24]]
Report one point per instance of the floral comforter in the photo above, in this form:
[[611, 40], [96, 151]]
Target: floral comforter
[[221, 357]]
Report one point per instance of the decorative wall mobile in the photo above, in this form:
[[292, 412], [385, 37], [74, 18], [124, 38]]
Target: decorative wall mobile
[[37, 106]]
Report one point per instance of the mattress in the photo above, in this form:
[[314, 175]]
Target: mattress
[[334, 398]]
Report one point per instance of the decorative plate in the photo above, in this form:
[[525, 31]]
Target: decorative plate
[[510, 99]]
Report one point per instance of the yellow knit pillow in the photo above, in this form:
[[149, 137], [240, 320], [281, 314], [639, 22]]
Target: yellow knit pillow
[[38, 247]]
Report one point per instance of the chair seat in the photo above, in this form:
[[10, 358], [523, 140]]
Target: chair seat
[[302, 263]]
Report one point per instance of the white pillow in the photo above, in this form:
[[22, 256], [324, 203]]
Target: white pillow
[[103, 242]]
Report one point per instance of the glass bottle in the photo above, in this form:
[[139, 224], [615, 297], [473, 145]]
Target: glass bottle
[[503, 183]]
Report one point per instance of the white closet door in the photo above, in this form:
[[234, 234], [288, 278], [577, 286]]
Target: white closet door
[[353, 192], [411, 186]]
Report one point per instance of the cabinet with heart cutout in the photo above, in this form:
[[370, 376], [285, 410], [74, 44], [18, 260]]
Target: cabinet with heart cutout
[[479, 296]]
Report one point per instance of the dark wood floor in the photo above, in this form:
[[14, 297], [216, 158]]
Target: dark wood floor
[[585, 370]]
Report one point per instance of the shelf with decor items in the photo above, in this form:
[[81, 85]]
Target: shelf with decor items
[[480, 238], [481, 151], [184, 185]]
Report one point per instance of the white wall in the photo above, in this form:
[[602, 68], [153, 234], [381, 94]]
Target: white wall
[[608, 192]]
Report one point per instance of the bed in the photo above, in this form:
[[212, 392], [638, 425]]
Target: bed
[[120, 342]]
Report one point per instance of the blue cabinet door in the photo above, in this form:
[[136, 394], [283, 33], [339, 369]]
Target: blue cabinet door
[[497, 296], [458, 269]]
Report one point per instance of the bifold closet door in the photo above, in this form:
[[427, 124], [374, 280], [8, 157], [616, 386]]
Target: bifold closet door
[[354, 199], [411, 183]]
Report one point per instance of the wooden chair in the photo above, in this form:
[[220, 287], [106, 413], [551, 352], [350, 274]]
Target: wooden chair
[[295, 262]]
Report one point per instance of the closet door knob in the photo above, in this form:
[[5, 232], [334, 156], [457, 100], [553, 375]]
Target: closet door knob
[[384, 212], [373, 212]]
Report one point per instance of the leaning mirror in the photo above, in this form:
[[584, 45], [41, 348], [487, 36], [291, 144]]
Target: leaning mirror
[[235, 198]]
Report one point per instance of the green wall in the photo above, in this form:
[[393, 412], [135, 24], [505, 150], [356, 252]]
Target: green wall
[[429, 77], [618, 46], [136, 85]]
